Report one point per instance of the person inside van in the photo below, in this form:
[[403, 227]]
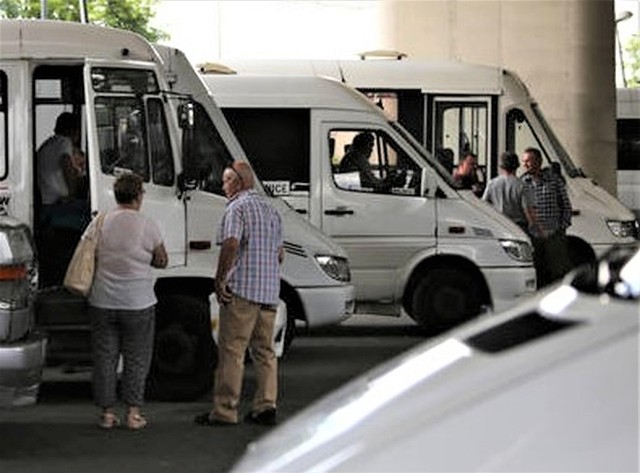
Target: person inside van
[[445, 157], [356, 159], [466, 174]]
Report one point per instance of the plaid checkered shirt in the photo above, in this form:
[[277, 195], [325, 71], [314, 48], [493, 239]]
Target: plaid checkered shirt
[[552, 204], [257, 226]]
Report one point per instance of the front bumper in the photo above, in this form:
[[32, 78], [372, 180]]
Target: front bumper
[[327, 305], [509, 286], [21, 364]]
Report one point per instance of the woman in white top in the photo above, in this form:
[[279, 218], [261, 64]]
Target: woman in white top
[[122, 302]]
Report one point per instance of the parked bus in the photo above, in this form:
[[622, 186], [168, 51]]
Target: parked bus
[[147, 112], [454, 107], [628, 133], [416, 244]]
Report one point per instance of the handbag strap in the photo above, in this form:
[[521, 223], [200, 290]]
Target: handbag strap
[[94, 232], [99, 220]]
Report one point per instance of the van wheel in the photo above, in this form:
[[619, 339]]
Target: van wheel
[[445, 298], [580, 252], [184, 353]]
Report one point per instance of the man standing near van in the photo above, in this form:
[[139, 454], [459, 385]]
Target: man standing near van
[[510, 197], [247, 288], [553, 212]]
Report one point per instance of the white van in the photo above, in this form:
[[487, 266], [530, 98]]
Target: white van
[[628, 133], [456, 106], [414, 242], [149, 113]]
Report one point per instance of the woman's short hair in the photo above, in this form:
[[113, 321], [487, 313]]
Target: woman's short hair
[[127, 187]]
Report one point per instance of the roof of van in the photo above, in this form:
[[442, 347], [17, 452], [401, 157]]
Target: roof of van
[[425, 75], [63, 39], [290, 91]]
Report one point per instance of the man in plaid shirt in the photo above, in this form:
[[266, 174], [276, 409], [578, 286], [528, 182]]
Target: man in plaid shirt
[[247, 288], [553, 211]]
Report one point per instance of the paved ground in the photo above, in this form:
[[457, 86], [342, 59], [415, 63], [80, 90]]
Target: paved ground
[[59, 435]]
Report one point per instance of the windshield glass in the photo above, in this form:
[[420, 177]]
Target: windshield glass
[[562, 154], [424, 154]]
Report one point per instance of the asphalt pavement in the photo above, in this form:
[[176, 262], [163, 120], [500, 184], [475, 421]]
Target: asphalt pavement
[[59, 434]]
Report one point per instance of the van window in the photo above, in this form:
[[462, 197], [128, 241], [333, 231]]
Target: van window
[[277, 143], [628, 130], [369, 161], [461, 127], [131, 124], [209, 150], [401, 105], [160, 145], [520, 134], [4, 142]]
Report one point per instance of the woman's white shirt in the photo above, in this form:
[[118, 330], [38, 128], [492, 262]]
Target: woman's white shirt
[[124, 278]]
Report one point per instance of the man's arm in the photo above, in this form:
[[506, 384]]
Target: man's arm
[[565, 205], [228, 254]]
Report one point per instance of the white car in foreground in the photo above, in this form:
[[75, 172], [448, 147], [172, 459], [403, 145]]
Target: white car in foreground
[[551, 385]]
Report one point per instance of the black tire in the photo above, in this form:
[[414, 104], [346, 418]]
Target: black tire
[[184, 355], [445, 298], [580, 253]]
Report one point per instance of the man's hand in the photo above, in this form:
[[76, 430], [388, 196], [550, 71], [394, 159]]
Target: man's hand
[[228, 254], [223, 294]]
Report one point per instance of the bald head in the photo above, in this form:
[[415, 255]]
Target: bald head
[[245, 174], [236, 178]]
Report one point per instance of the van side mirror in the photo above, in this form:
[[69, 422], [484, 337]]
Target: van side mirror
[[186, 121], [426, 181], [186, 118]]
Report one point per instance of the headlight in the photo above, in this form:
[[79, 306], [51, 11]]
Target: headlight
[[623, 229], [518, 250], [335, 266]]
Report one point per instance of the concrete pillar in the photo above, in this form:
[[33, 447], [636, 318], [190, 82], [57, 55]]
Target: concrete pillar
[[562, 49]]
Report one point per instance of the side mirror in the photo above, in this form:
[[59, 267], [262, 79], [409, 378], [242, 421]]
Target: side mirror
[[186, 119], [426, 181]]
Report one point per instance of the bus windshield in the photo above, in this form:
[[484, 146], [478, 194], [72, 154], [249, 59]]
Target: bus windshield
[[567, 164]]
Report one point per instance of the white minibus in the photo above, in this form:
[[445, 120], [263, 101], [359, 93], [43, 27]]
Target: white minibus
[[628, 134], [142, 109], [414, 242], [456, 107]]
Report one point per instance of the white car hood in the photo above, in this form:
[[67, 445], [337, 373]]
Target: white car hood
[[378, 418], [584, 194]]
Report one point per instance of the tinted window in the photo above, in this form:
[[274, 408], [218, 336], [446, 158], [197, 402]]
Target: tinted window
[[4, 152], [276, 142], [628, 144], [209, 152]]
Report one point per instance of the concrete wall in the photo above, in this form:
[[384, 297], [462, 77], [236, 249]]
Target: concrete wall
[[562, 49]]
